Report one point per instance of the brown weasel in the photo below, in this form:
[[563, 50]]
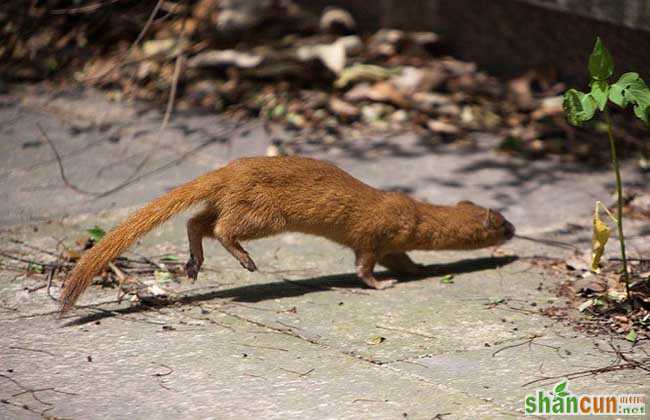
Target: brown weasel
[[252, 198]]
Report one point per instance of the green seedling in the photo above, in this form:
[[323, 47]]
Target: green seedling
[[448, 279], [96, 233], [581, 107]]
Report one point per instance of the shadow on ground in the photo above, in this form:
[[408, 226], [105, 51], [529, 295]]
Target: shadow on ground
[[292, 288]]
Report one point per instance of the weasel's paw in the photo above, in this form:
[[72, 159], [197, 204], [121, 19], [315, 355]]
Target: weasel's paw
[[379, 284], [384, 284], [192, 268], [249, 265]]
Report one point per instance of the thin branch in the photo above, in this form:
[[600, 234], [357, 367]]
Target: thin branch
[[84, 9], [139, 38], [34, 350], [130, 180], [64, 178], [405, 331]]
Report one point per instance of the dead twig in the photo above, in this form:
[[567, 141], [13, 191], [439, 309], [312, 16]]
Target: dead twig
[[405, 331], [64, 178], [35, 288], [83, 9], [261, 347], [121, 279], [615, 366], [139, 38], [303, 374], [132, 179], [528, 341], [34, 350], [50, 277], [32, 247], [13, 257], [159, 375], [583, 373], [180, 59], [368, 400], [32, 392]]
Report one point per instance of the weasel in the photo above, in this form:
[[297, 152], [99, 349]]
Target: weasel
[[252, 198]]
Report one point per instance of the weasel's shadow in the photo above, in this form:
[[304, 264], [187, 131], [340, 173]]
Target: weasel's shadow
[[290, 288]]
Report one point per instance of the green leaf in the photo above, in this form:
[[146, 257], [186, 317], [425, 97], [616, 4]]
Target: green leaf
[[96, 233], [631, 336], [638, 93], [496, 301], [448, 279], [617, 90], [600, 92], [278, 111], [33, 267], [630, 88], [169, 258], [627, 78], [578, 106], [163, 276], [616, 95], [642, 113], [560, 388], [601, 64]]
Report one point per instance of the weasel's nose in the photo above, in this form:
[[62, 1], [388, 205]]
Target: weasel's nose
[[510, 230]]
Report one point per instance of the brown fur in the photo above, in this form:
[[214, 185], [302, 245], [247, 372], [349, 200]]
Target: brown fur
[[253, 198]]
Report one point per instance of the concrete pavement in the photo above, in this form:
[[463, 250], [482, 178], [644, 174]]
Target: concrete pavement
[[302, 337]]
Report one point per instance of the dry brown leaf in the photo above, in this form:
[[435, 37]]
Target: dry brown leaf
[[442, 127], [342, 108]]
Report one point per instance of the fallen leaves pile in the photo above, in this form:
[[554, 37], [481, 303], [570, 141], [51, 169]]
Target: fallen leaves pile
[[603, 300], [598, 288], [147, 279], [311, 74]]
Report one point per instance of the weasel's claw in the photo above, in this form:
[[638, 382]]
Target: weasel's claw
[[192, 268], [249, 265]]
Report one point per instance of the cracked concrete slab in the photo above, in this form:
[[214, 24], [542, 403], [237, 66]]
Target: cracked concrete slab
[[502, 374], [212, 365], [301, 337]]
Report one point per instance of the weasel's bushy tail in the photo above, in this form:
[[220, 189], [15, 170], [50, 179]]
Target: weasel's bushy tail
[[124, 235]]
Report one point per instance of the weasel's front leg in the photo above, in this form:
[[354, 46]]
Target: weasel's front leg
[[365, 262], [400, 263]]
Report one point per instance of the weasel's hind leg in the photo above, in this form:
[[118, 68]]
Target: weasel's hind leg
[[399, 263], [199, 226], [365, 262], [232, 229]]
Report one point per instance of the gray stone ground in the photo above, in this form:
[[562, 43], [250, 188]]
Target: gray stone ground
[[299, 338]]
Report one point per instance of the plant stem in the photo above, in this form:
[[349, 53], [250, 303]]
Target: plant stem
[[619, 191]]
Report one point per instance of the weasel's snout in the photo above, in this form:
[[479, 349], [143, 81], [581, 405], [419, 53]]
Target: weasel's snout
[[510, 229]]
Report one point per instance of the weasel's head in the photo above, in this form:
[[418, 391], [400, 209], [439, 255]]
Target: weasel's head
[[480, 227]]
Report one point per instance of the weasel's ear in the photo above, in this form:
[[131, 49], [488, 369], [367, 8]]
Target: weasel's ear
[[465, 203], [489, 220]]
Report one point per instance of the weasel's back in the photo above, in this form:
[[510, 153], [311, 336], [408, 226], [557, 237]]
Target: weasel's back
[[307, 194], [292, 175]]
